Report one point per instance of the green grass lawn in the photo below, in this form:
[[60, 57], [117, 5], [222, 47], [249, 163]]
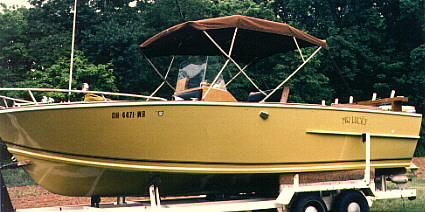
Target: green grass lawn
[[16, 177], [399, 205]]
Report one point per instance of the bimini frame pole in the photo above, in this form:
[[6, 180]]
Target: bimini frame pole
[[233, 61], [243, 69], [159, 73], [165, 78], [299, 49], [225, 64], [290, 76]]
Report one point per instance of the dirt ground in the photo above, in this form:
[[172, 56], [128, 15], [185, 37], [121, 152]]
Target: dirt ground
[[420, 162], [34, 196]]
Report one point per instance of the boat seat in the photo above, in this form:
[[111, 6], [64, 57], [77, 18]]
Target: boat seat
[[93, 98], [189, 95], [281, 95], [214, 95]]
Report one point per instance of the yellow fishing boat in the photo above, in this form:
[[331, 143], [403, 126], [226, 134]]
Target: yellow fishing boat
[[204, 140]]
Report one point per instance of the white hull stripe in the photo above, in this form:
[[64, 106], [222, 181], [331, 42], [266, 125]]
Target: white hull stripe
[[121, 166], [327, 132]]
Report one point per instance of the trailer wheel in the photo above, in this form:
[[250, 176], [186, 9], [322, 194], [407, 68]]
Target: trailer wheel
[[308, 203], [351, 201]]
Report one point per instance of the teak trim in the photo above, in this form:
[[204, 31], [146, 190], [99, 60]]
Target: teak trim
[[396, 102]]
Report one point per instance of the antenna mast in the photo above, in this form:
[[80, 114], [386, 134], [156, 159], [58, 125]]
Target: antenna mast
[[72, 50]]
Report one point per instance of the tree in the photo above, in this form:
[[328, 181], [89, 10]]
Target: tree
[[260, 9], [375, 46], [49, 32], [99, 77], [416, 79], [14, 57]]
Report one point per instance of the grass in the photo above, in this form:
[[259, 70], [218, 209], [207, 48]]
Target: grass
[[13, 177], [399, 205], [16, 177]]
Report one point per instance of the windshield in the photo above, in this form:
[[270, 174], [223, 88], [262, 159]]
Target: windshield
[[198, 71]]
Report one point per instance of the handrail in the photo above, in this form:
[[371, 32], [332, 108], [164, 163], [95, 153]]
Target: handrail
[[15, 99], [72, 91]]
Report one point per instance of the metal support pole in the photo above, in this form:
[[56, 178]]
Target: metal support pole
[[95, 202], [299, 49], [383, 183], [233, 61], [165, 78], [159, 73], [157, 199], [6, 204], [5, 103], [366, 140], [154, 196], [119, 202], [32, 97], [225, 64], [290, 76], [297, 180], [71, 65]]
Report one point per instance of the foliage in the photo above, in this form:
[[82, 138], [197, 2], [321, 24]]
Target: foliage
[[259, 9], [369, 41], [99, 77], [14, 54], [375, 46], [416, 79]]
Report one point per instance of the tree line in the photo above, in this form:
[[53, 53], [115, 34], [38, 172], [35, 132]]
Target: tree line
[[375, 46]]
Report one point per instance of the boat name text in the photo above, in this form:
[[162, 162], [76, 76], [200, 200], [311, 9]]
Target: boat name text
[[128, 114], [354, 120]]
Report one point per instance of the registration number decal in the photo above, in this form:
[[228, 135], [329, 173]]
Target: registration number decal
[[128, 114]]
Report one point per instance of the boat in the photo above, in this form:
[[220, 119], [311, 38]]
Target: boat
[[202, 140]]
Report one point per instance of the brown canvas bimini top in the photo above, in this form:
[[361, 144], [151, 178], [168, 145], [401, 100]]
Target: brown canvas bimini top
[[256, 38]]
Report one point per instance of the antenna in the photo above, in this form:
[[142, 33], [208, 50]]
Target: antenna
[[72, 50]]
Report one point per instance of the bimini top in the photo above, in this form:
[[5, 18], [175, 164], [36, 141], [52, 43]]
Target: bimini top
[[256, 38]]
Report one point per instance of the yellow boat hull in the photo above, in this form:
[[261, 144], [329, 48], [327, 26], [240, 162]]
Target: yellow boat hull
[[107, 149]]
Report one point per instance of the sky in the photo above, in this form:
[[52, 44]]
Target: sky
[[15, 2]]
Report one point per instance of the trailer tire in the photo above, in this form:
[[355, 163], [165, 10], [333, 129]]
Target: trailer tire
[[350, 201], [307, 203]]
